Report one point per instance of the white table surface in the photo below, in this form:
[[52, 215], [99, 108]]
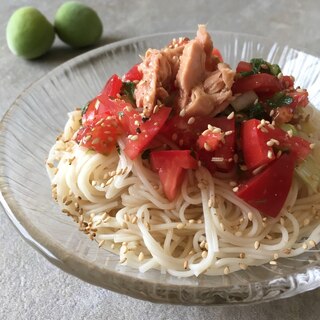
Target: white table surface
[[32, 288]]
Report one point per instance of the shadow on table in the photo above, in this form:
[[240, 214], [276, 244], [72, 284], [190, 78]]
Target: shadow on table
[[61, 52]]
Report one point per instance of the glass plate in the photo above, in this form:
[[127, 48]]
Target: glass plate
[[39, 114]]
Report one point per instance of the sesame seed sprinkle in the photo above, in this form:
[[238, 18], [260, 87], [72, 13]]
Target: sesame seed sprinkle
[[141, 256], [273, 263], [182, 113], [191, 120], [257, 245], [226, 270], [204, 254], [230, 116], [133, 137]]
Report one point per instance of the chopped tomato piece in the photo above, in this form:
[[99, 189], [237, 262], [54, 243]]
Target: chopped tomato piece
[[300, 98], [254, 146], [172, 165], [260, 83], [144, 130], [99, 105], [222, 158], [210, 141], [133, 74], [254, 142], [185, 135], [101, 135], [268, 190], [112, 87], [286, 82], [217, 54], [243, 66]]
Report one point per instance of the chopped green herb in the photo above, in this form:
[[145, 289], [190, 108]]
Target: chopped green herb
[[256, 111], [256, 64], [128, 90], [85, 108], [259, 65], [118, 149], [275, 69], [279, 99]]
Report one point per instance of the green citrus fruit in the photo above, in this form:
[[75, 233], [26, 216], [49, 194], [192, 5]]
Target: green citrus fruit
[[29, 33], [77, 24]]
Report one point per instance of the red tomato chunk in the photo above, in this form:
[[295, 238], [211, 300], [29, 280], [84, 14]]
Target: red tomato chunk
[[171, 166], [268, 190]]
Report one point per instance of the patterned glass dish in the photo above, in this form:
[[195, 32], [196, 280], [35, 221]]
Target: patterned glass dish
[[39, 114]]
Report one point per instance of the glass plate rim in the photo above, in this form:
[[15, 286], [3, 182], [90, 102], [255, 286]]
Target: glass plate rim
[[31, 239]]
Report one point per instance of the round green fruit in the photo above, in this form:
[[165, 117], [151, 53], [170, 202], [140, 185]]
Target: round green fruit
[[29, 33], [77, 25]]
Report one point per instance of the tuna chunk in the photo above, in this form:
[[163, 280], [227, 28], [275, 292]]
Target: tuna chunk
[[204, 38], [159, 69], [214, 95], [157, 73], [191, 71], [186, 72]]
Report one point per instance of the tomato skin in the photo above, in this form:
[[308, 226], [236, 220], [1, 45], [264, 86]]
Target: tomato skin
[[147, 130], [254, 145], [243, 66], [260, 83], [133, 74], [268, 190], [185, 136], [171, 166], [286, 82], [217, 54], [210, 141], [100, 135], [100, 104], [255, 149], [112, 87]]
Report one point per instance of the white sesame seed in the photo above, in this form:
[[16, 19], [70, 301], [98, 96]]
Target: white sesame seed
[[270, 154], [204, 254], [235, 189], [273, 263], [216, 130], [230, 116], [290, 133], [136, 123], [207, 147], [312, 145], [312, 243], [185, 265], [250, 216], [216, 159], [191, 120], [133, 137], [275, 256], [305, 246], [228, 133], [180, 226], [242, 255], [306, 222], [141, 256], [226, 270], [257, 245], [182, 113]]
